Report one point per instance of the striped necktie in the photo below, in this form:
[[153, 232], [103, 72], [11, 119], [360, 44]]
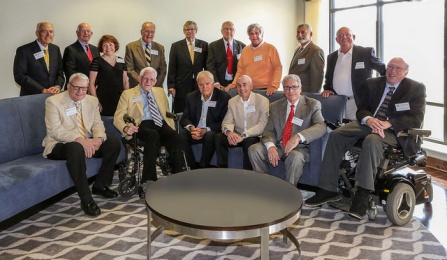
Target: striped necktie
[[147, 54], [154, 111], [81, 125], [381, 112], [46, 58]]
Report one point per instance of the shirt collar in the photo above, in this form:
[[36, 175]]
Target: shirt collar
[[257, 47], [144, 44], [203, 99]]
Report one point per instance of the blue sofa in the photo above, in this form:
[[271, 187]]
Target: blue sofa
[[26, 178], [332, 109]]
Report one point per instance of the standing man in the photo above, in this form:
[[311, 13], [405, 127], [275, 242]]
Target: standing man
[[148, 106], [75, 131], [38, 64], [224, 55], [186, 59], [144, 53], [390, 104], [308, 60], [347, 70], [260, 61], [244, 122], [294, 122], [202, 119], [79, 55]]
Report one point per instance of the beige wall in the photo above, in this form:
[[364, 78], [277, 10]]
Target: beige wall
[[124, 18]]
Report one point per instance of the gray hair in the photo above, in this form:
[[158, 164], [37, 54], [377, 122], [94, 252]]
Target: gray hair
[[245, 77], [255, 26], [292, 77], [205, 74], [147, 23], [188, 23], [309, 28], [78, 75], [42, 23], [150, 69]]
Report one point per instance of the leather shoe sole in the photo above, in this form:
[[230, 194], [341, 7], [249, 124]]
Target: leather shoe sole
[[105, 192]]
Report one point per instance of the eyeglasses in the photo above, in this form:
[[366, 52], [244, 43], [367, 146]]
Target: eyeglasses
[[228, 29], [76, 88], [85, 31], [391, 67], [347, 35], [46, 31], [290, 87], [189, 29]]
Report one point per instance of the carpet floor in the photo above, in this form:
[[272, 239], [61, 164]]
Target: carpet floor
[[63, 231]]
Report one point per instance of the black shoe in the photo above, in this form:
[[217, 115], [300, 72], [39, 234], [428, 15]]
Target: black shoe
[[321, 197], [360, 203], [105, 192], [90, 208]]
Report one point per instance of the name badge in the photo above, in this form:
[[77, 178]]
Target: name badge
[[258, 58], [297, 121], [39, 55], [250, 109], [198, 49], [154, 52], [301, 61], [119, 60], [71, 111], [403, 106], [137, 99], [212, 104], [360, 65], [238, 56]]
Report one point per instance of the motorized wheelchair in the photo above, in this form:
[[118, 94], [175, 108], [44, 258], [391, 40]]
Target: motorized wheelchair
[[129, 172], [400, 184]]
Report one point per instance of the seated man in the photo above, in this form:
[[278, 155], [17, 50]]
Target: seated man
[[294, 122], [75, 131], [244, 122], [391, 104], [202, 119], [148, 106]]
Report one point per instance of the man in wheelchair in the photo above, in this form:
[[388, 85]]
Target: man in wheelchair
[[148, 107], [391, 104]]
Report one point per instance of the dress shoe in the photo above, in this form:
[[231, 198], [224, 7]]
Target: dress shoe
[[105, 192], [90, 208], [359, 203], [321, 197]]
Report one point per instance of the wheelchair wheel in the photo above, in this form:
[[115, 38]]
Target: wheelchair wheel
[[400, 204], [127, 187], [122, 172]]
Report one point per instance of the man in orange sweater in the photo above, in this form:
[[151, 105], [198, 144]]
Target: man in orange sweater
[[260, 61]]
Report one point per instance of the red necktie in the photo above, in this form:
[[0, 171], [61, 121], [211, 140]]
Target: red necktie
[[229, 59], [89, 53], [288, 129]]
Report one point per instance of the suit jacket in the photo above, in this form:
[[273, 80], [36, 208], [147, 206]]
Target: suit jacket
[[181, 70], [32, 74], [63, 128], [76, 59], [256, 120], [309, 66], [358, 76], [193, 110], [308, 110], [409, 92], [217, 59], [130, 103], [136, 61]]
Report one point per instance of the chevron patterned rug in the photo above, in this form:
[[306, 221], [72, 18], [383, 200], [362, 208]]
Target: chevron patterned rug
[[62, 231]]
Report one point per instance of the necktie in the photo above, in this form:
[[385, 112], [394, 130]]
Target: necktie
[[191, 52], [46, 58], [81, 126], [229, 59], [288, 129], [154, 111], [381, 112], [89, 53], [147, 54]]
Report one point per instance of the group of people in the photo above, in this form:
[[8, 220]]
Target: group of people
[[199, 76]]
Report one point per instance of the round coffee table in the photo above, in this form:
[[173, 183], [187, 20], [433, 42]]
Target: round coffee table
[[219, 203]]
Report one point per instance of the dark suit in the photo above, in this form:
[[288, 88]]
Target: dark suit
[[136, 61], [76, 59], [312, 127], [309, 66], [182, 72], [358, 76], [32, 74], [214, 117], [342, 139], [217, 62]]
